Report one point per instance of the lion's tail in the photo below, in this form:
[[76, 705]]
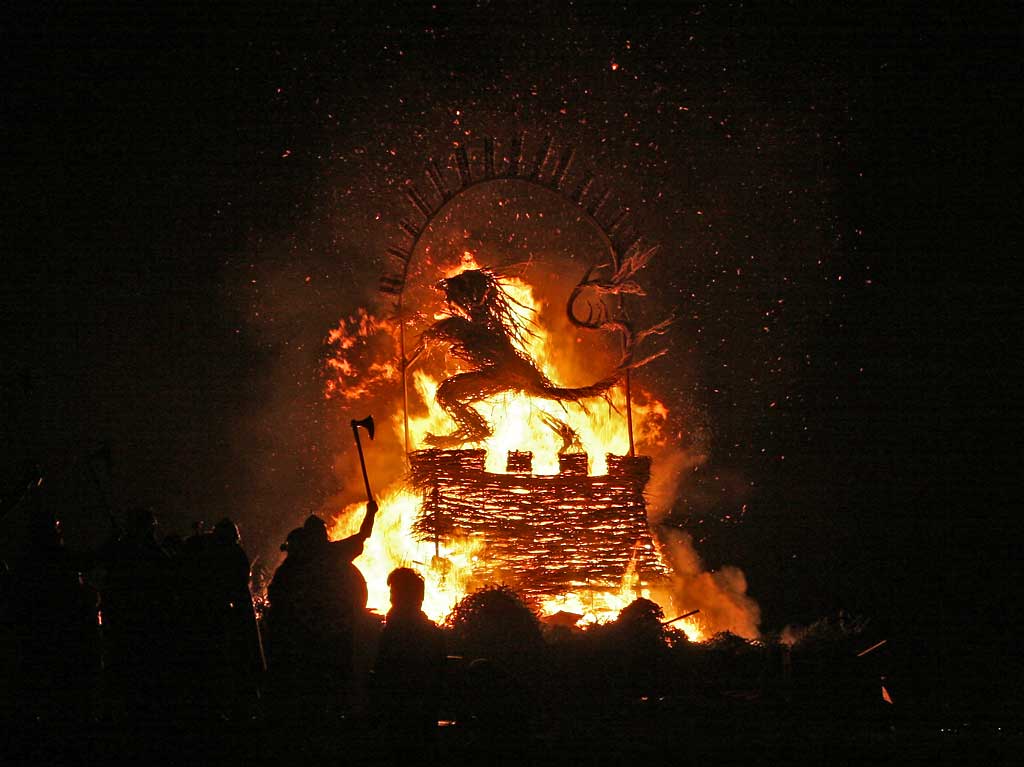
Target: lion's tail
[[600, 387]]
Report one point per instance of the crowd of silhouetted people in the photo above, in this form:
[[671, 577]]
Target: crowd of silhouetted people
[[144, 633], [141, 627], [147, 632]]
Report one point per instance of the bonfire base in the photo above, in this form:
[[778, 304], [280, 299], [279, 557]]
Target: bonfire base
[[543, 534]]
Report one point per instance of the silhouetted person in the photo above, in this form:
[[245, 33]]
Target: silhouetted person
[[333, 559], [344, 549], [316, 598], [138, 616], [222, 642], [56, 626], [241, 661], [410, 663], [283, 621]]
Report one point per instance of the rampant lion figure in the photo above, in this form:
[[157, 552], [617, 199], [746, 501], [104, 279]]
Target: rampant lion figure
[[483, 330]]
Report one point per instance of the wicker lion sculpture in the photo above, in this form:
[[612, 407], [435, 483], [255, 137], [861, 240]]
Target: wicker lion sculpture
[[483, 330]]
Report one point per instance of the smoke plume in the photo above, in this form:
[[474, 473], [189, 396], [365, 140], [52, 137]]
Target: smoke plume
[[720, 595]]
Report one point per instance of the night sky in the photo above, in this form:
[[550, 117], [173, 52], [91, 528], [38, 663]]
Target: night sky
[[193, 199]]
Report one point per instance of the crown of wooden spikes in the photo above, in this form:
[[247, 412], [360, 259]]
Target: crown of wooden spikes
[[547, 168]]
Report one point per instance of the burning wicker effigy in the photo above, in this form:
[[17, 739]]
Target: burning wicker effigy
[[545, 534], [542, 533]]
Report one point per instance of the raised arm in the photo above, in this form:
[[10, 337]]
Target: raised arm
[[366, 529], [351, 547]]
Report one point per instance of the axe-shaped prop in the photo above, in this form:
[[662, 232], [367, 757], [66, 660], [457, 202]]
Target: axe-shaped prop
[[366, 423]]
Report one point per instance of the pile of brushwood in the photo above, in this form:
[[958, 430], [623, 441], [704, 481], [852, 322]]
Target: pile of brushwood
[[508, 668]]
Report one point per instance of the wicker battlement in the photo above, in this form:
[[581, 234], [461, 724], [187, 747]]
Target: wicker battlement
[[519, 462], [543, 534]]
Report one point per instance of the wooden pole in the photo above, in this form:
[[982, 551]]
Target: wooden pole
[[405, 377], [679, 617], [629, 416]]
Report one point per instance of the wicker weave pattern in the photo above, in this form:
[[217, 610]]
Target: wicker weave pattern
[[543, 534]]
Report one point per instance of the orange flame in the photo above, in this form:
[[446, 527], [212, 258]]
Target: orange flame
[[519, 423], [355, 370], [446, 570]]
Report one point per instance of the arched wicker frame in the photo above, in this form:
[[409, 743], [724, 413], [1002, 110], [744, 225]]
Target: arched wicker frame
[[548, 170]]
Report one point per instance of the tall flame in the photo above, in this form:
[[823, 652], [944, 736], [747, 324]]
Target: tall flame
[[446, 568], [519, 422]]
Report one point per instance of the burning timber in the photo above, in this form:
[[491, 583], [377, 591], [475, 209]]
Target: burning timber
[[543, 534]]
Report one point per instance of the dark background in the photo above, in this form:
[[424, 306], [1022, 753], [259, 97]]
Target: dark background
[[193, 198]]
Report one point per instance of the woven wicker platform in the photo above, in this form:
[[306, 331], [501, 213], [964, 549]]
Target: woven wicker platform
[[543, 534]]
